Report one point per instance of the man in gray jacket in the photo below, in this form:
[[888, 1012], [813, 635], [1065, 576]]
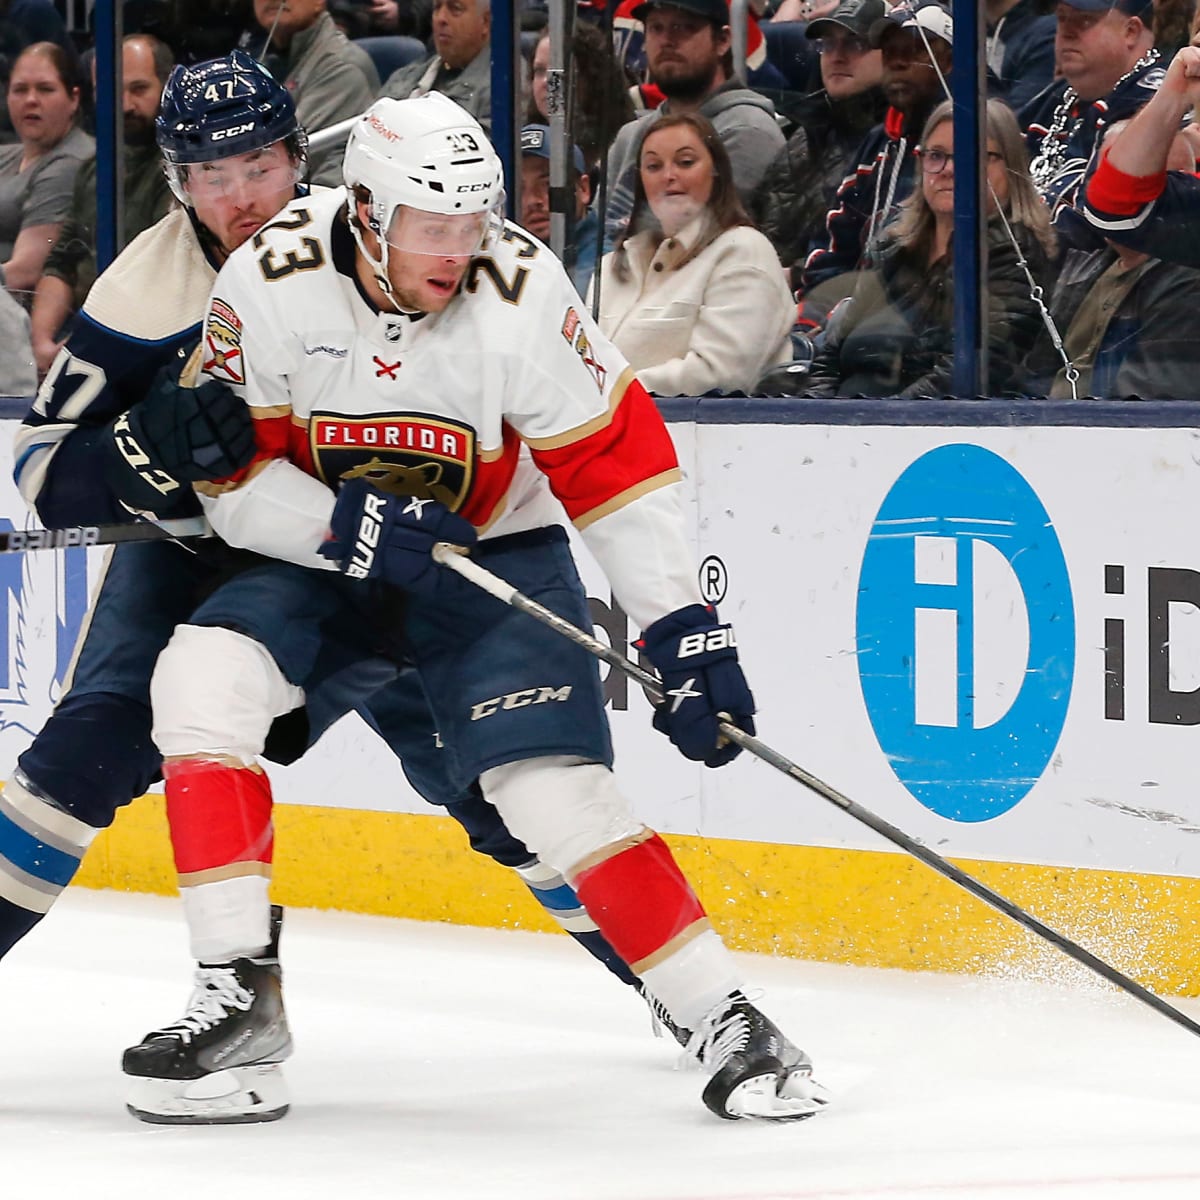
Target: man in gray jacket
[[688, 56], [330, 78], [461, 65]]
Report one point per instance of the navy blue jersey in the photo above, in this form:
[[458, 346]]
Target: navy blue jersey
[[144, 312]]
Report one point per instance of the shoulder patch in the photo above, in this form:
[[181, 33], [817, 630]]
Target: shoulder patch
[[223, 343]]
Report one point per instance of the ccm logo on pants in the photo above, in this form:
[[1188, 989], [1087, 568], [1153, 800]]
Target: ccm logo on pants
[[538, 695]]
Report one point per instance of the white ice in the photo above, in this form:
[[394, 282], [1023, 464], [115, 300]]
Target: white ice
[[441, 1063]]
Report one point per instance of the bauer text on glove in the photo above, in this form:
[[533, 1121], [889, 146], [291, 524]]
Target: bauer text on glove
[[375, 535], [702, 683]]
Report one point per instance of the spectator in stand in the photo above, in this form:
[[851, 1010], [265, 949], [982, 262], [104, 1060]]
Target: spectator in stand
[[801, 184], [23, 22], [693, 295], [461, 64], [601, 102], [1020, 49], [1122, 324], [1133, 195], [70, 267], [893, 336], [1109, 70], [629, 37], [687, 49], [331, 79], [535, 203], [37, 174], [916, 44]]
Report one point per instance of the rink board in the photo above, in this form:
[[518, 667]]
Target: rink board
[[987, 633]]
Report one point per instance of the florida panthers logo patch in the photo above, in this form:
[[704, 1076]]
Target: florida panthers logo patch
[[223, 343], [404, 454]]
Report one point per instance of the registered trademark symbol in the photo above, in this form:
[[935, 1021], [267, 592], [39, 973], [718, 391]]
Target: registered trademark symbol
[[714, 579]]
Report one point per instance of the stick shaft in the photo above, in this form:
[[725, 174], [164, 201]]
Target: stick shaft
[[497, 587], [19, 541]]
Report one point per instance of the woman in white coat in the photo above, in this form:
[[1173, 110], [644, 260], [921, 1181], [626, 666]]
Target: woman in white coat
[[693, 295]]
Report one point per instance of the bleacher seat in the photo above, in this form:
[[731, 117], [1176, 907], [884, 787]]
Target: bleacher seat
[[391, 53]]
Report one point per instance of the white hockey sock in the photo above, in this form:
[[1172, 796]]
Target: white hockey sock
[[228, 919], [695, 978]]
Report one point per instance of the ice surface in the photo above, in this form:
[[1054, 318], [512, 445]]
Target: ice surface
[[462, 1064]]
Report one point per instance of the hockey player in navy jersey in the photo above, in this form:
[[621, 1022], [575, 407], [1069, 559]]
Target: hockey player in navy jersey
[[113, 433], [419, 371]]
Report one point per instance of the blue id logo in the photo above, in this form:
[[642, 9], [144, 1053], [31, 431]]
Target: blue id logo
[[966, 633]]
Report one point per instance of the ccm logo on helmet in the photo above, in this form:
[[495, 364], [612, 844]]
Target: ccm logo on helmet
[[219, 135], [474, 187]]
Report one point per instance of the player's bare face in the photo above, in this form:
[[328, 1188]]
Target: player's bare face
[[428, 255], [234, 197]]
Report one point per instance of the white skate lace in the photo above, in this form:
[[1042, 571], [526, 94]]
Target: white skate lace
[[722, 1033], [216, 991]]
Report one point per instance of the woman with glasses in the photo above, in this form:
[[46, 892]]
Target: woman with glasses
[[893, 337]]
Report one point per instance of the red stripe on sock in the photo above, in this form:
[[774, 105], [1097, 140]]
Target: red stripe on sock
[[218, 815], [639, 899]]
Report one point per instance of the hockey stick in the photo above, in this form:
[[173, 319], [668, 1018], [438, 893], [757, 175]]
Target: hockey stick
[[453, 557], [18, 541]]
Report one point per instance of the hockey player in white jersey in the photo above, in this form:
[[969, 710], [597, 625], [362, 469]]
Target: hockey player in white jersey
[[113, 432], [421, 371]]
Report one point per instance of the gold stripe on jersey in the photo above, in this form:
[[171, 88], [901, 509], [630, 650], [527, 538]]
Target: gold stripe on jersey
[[628, 497], [570, 436], [237, 870]]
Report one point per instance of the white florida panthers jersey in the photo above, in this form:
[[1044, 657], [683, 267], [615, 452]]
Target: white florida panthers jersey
[[509, 406]]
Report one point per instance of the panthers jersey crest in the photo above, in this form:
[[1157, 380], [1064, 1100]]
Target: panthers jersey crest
[[404, 454]]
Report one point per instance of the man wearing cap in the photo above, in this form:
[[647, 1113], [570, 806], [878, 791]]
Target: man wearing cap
[[535, 203], [831, 124], [1110, 69], [688, 57], [916, 49]]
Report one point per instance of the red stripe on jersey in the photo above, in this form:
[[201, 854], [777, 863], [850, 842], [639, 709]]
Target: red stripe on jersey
[[271, 436], [218, 815], [491, 481], [640, 899], [1112, 191], [632, 448]]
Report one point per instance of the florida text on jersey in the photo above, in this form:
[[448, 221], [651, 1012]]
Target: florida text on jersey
[[505, 401]]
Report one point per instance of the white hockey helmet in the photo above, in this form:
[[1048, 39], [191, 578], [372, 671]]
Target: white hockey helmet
[[427, 153]]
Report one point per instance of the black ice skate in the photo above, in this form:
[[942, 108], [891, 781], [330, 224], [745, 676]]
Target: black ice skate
[[756, 1071], [219, 1063]]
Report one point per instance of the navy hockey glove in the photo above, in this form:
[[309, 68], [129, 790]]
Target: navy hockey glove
[[379, 536], [175, 436], [697, 660]]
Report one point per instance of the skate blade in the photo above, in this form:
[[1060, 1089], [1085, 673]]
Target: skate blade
[[766, 1097], [235, 1096]]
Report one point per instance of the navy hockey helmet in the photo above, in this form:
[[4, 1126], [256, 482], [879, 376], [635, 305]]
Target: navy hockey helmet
[[222, 108]]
